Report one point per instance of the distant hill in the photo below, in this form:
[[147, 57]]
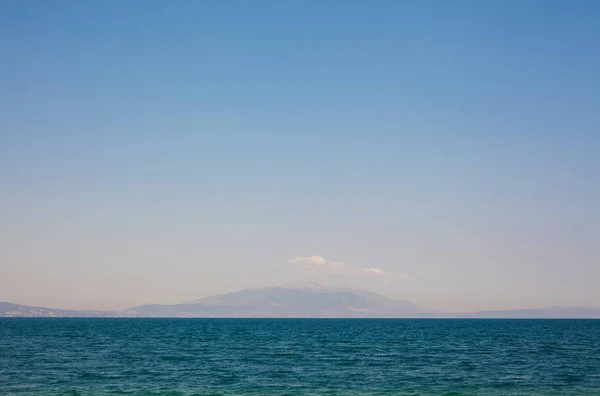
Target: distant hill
[[295, 301], [310, 300], [548, 312], [16, 310]]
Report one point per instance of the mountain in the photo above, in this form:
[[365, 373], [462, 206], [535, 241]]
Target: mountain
[[296, 300], [311, 300], [16, 310]]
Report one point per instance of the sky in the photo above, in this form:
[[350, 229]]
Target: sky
[[163, 151]]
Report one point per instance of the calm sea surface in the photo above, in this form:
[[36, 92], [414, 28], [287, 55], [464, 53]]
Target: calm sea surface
[[299, 357]]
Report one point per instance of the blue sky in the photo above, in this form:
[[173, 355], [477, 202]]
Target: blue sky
[[155, 151]]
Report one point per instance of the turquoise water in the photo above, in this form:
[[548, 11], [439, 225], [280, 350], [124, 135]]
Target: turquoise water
[[299, 357]]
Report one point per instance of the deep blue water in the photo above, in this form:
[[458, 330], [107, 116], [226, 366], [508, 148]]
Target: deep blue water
[[299, 357]]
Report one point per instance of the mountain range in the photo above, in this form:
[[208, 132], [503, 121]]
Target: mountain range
[[309, 301], [17, 310], [295, 301]]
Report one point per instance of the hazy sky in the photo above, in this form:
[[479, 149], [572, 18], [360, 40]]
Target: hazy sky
[[162, 151]]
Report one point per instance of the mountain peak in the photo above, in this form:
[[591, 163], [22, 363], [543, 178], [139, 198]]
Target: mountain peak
[[307, 285]]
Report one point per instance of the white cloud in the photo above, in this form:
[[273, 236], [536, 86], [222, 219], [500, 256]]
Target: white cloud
[[319, 265], [319, 260], [369, 272]]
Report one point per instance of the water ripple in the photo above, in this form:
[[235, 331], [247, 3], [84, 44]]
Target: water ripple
[[186, 357]]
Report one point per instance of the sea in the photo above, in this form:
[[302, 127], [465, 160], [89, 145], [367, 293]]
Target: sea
[[184, 357]]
